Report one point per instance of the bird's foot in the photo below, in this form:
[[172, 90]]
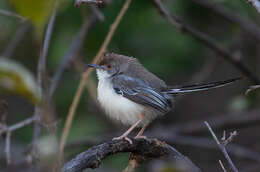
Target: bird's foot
[[123, 138], [140, 137]]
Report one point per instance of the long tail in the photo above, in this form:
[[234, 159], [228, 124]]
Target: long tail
[[201, 87]]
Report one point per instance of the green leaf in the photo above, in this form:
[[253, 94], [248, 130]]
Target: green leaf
[[16, 79], [38, 12]]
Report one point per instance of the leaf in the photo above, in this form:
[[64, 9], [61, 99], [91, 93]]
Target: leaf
[[38, 12], [16, 79]]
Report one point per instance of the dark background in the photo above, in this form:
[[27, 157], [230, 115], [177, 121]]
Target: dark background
[[173, 55]]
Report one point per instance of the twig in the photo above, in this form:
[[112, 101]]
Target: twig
[[252, 88], [205, 143], [7, 147], [225, 140], [207, 40], [72, 52], [79, 2], [222, 166], [16, 39], [255, 3], [12, 14], [98, 13], [85, 76], [17, 125], [228, 121], [221, 147], [146, 148], [133, 163], [245, 23], [42, 75], [8, 131]]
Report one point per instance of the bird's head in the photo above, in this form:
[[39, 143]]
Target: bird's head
[[112, 64]]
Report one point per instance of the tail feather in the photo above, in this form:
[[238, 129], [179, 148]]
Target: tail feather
[[201, 87]]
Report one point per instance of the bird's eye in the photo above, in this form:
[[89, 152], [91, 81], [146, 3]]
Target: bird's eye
[[108, 66]]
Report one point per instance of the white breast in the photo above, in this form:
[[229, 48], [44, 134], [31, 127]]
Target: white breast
[[116, 106]]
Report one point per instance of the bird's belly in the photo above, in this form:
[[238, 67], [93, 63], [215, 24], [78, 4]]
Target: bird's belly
[[120, 108]]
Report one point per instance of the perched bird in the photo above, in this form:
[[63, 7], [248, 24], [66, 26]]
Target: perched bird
[[131, 94]]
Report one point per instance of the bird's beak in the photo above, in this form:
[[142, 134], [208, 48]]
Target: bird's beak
[[95, 66]]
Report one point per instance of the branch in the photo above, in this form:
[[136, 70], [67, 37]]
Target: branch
[[255, 3], [79, 2], [133, 163], [72, 52], [7, 147], [4, 129], [252, 88], [222, 166], [176, 139], [17, 126], [205, 143], [232, 17], [232, 120], [12, 14], [147, 148], [207, 40], [222, 148], [16, 39], [42, 76], [79, 91]]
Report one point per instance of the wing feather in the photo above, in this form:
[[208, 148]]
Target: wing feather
[[139, 92]]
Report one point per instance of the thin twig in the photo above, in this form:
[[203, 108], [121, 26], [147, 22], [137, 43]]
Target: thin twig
[[132, 165], [72, 52], [221, 147], [207, 40], [17, 125], [252, 88], [222, 166], [98, 13], [16, 39], [42, 74], [255, 3], [225, 140], [220, 121], [79, 2], [7, 148], [12, 14], [85, 76]]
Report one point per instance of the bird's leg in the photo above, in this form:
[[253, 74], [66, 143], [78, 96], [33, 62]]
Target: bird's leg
[[140, 133], [124, 136]]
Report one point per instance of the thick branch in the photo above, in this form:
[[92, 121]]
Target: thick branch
[[147, 148], [173, 138]]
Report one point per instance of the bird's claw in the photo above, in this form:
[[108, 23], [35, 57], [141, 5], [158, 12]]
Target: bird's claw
[[123, 138]]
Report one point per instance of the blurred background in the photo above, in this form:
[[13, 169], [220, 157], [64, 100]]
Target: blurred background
[[173, 55]]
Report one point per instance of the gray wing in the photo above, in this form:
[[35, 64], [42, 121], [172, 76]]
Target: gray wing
[[139, 92]]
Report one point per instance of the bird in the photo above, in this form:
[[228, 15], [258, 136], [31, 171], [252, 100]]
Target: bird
[[132, 95]]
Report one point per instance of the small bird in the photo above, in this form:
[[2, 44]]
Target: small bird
[[131, 94]]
